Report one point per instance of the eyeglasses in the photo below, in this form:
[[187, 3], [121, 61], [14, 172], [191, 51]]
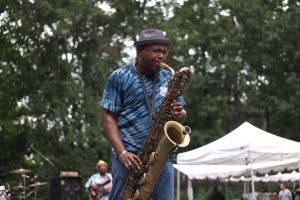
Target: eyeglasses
[[158, 51]]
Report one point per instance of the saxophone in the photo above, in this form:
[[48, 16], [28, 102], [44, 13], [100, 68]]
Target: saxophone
[[166, 135]]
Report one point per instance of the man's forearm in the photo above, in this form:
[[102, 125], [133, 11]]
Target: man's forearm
[[112, 132]]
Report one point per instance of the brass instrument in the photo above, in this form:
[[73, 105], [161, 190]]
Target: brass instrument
[[165, 136]]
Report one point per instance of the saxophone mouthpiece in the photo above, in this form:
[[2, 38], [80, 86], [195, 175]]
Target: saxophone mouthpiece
[[164, 65]]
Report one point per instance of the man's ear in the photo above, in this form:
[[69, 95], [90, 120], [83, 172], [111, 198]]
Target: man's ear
[[140, 50]]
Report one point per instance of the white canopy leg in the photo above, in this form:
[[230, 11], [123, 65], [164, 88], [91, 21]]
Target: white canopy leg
[[178, 184], [299, 165], [190, 190], [252, 184]]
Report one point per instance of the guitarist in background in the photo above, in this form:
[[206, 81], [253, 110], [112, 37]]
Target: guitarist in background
[[99, 184]]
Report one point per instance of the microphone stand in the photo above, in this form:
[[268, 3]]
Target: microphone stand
[[35, 188], [40, 154]]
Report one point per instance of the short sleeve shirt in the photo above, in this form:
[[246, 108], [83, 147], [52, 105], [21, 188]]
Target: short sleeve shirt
[[123, 95], [98, 179], [284, 194]]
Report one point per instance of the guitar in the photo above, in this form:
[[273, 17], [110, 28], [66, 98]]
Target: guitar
[[100, 191]]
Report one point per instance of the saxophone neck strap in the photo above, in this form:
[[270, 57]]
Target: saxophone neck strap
[[151, 107]]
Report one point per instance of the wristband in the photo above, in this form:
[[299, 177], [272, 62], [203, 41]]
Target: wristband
[[122, 154]]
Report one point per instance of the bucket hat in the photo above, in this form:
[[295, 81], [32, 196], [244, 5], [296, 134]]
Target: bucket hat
[[152, 36], [100, 162]]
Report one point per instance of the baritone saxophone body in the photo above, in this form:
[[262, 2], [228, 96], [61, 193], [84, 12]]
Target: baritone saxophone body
[[165, 136]]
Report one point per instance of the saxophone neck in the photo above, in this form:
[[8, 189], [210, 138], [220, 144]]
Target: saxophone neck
[[164, 65]]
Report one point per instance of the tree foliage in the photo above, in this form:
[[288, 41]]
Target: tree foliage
[[244, 60]]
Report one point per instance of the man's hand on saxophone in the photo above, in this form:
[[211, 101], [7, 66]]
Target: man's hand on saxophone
[[178, 112], [130, 160]]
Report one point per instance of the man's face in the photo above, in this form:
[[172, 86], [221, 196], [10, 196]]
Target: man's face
[[102, 168], [282, 186], [151, 56]]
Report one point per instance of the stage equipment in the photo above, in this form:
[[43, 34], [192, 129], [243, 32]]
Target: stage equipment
[[62, 188]]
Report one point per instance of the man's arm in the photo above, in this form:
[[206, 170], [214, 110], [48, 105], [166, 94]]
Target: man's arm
[[112, 133], [88, 183], [108, 186]]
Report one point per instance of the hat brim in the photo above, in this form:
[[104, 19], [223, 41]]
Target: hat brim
[[156, 41]]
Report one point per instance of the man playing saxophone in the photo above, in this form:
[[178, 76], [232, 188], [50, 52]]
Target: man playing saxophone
[[133, 94]]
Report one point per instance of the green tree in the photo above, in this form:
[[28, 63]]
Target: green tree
[[242, 56], [52, 69]]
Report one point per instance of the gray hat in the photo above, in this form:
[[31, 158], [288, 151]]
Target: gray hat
[[152, 36]]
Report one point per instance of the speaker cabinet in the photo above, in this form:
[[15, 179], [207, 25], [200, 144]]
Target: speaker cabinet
[[66, 188]]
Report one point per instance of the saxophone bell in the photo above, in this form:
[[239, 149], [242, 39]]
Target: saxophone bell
[[177, 134]]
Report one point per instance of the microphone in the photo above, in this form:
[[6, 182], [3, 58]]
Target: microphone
[[31, 148]]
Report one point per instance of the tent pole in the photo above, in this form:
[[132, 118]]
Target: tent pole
[[190, 193], [226, 190], [299, 165], [252, 184], [298, 171], [245, 188], [252, 176], [178, 184]]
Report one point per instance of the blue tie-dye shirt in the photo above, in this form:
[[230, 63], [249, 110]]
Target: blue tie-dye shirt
[[123, 95]]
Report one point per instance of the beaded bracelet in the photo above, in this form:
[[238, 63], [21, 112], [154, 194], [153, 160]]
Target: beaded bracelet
[[122, 154]]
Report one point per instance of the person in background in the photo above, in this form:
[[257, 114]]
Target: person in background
[[216, 195], [100, 183], [132, 95], [296, 192], [284, 193]]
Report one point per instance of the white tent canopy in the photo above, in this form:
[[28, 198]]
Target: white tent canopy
[[246, 145], [279, 177], [293, 176], [220, 172]]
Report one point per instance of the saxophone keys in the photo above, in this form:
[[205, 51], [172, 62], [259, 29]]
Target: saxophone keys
[[152, 157], [144, 179]]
